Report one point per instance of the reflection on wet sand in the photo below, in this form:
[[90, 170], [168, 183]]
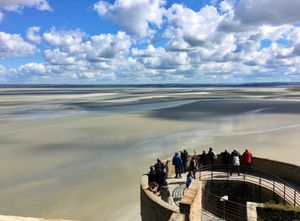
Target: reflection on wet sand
[[79, 154]]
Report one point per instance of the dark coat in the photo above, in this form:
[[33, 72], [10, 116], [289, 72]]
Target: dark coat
[[177, 161]]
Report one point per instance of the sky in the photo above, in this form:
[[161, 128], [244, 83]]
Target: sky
[[149, 41]]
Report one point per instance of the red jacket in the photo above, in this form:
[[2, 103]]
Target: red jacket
[[247, 157]]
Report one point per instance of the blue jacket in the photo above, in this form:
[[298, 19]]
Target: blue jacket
[[189, 180], [177, 161]]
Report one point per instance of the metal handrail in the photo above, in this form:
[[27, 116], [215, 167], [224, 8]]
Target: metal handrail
[[225, 209], [283, 189]]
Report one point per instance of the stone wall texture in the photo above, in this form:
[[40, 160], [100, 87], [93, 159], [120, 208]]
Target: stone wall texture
[[196, 207], [285, 171], [153, 208]]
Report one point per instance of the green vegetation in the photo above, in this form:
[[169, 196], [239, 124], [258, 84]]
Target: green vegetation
[[278, 212]]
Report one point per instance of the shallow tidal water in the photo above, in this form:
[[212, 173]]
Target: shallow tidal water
[[78, 153]]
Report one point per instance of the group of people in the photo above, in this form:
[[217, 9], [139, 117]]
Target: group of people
[[234, 159], [184, 163], [157, 181]]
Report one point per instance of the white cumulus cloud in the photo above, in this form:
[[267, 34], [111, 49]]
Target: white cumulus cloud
[[13, 45], [67, 40], [268, 11], [135, 16], [18, 5], [32, 34]]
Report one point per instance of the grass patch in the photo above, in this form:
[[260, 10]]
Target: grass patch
[[278, 212]]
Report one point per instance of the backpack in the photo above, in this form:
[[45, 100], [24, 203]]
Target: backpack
[[215, 156], [236, 160]]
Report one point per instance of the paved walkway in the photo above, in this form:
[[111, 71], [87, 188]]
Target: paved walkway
[[291, 194], [177, 187]]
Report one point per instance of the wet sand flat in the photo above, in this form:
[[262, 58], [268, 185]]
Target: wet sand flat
[[80, 155]]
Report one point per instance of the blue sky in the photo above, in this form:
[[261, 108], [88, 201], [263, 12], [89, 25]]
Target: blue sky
[[149, 41]]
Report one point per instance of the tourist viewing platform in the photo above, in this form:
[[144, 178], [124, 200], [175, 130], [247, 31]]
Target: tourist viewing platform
[[215, 188]]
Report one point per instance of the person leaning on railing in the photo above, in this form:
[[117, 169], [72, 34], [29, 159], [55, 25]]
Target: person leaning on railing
[[226, 159], [247, 158], [235, 156]]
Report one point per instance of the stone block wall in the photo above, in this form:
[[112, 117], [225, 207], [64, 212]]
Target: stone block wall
[[153, 208], [285, 171], [190, 204]]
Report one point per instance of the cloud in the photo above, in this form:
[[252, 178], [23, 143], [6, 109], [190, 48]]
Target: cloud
[[67, 40], [19, 5], [33, 69], [274, 12], [196, 28], [135, 17], [160, 59], [32, 34], [212, 44], [107, 46], [70, 47], [13, 45], [78, 57]]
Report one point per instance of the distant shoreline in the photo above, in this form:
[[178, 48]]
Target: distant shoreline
[[166, 85]]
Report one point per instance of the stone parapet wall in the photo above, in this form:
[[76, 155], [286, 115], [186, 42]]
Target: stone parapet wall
[[251, 210], [285, 171], [153, 208], [190, 204]]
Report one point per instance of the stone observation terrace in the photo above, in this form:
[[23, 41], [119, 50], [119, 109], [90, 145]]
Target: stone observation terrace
[[213, 194]]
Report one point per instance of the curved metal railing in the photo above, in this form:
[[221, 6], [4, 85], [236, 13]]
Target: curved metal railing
[[286, 191], [223, 208]]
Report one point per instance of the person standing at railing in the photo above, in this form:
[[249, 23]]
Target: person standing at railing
[[203, 158], [184, 157], [177, 162], [226, 159], [159, 166], [235, 156], [247, 158], [212, 156]]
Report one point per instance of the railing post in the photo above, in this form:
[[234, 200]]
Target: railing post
[[200, 174], [224, 209], [295, 195], [212, 174], [284, 194], [273, 190]]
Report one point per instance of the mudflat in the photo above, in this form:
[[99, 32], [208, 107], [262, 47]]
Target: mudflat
[[78, 153]]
